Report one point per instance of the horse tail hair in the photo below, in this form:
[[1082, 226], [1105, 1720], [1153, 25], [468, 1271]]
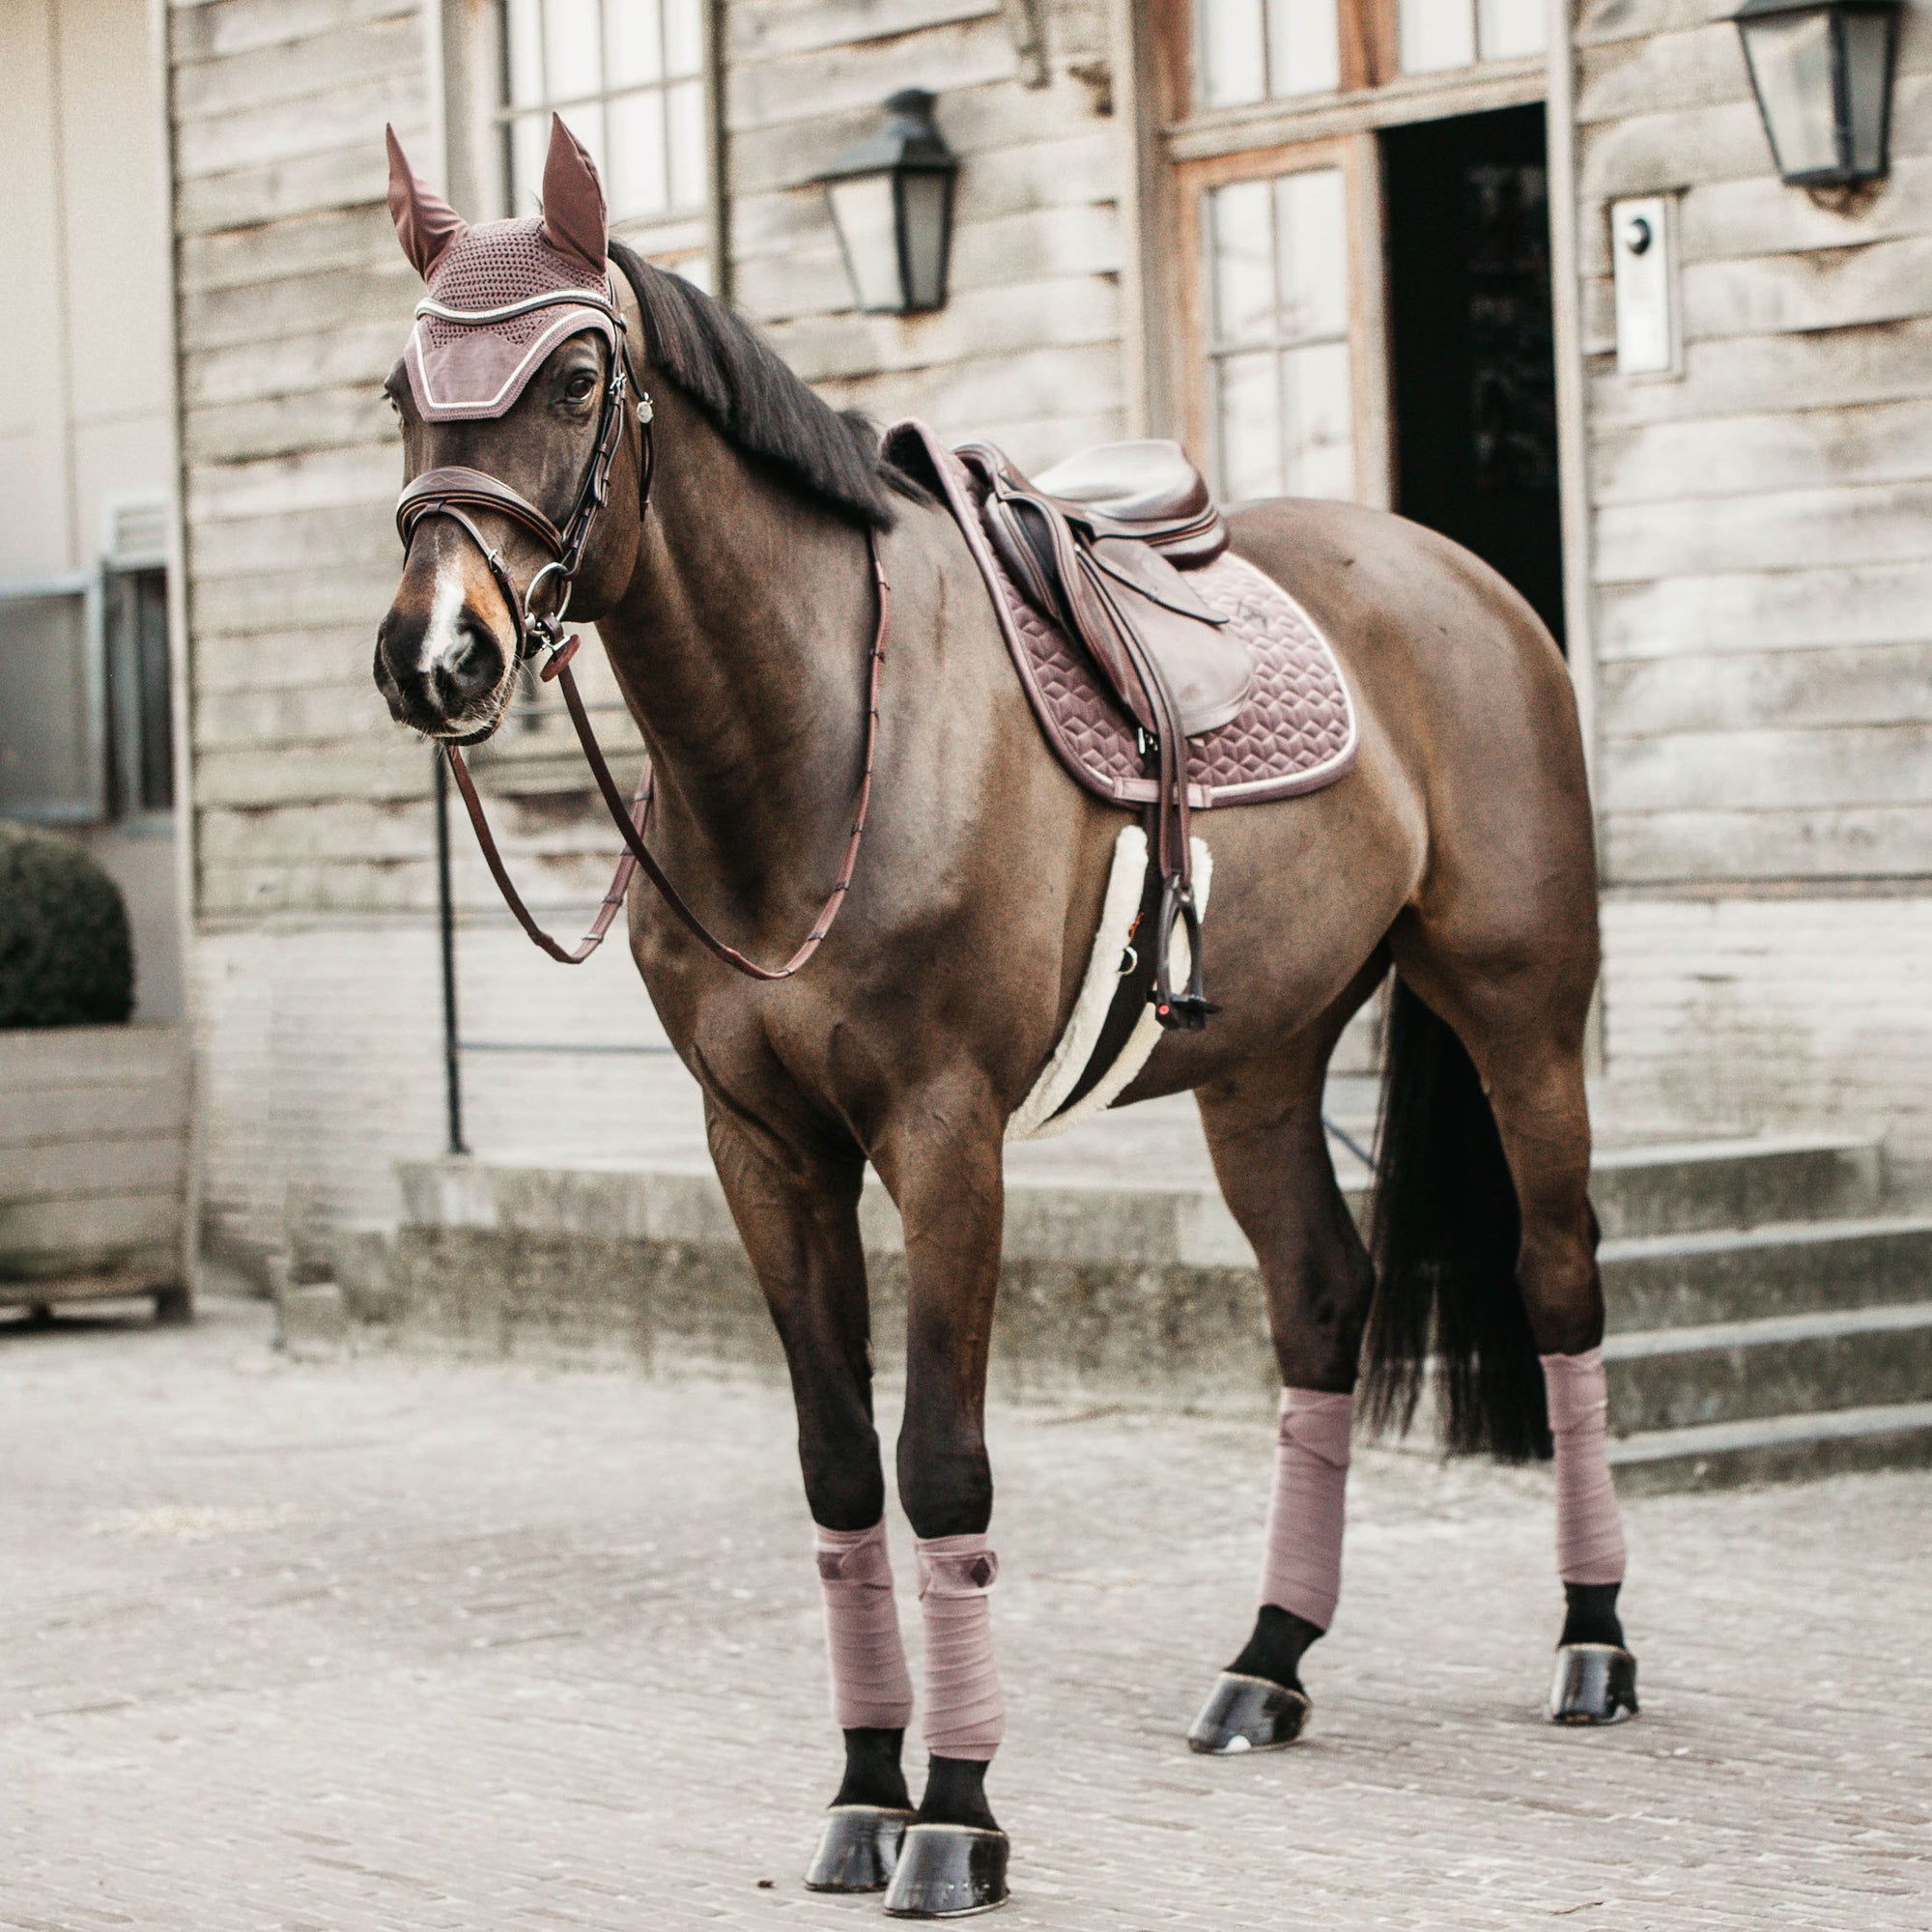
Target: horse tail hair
[[1444, 1231]]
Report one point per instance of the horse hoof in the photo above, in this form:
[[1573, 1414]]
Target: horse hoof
[[1595, 1684], [857, 1849], [948, 1871], [1247, 1714]]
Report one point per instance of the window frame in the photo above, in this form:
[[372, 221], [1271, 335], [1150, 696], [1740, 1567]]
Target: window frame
[[126, 697], [88, 803], [1359, 162], [476, 80]]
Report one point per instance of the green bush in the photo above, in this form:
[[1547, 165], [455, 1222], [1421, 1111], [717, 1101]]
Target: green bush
[[65, 959]]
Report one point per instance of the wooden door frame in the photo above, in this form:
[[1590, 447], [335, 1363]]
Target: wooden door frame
[[1359, 161]]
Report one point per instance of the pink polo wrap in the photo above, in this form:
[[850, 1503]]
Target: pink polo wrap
[[1589, 1533], [871, 1689], [965, 1713], [1302, 1570]]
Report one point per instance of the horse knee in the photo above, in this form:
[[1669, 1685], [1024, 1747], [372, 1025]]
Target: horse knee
[[844, 1484], [946, 1488]]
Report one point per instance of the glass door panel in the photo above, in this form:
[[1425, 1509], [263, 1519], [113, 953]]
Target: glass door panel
[[1276, 330]]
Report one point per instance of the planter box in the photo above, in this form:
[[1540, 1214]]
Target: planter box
[[93, 1164]]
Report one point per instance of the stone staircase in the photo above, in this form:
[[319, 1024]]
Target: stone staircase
[[1768, 1316]]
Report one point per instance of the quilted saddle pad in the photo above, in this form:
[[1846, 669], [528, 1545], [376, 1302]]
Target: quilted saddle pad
[[1298, 734]]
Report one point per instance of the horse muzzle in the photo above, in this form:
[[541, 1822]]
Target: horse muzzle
[[448, 676]]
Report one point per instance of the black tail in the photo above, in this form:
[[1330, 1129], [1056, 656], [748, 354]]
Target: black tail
[[1444, 1234]]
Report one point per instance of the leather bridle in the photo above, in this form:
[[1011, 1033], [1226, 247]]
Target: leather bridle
[[452, 491]]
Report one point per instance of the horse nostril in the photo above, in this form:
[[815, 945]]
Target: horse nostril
[[473, 668]]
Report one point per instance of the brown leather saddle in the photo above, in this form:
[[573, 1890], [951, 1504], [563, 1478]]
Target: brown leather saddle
[[1097, 544], [1167, 673]]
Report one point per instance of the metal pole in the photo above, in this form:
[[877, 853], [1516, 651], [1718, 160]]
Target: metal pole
[[446, 922]]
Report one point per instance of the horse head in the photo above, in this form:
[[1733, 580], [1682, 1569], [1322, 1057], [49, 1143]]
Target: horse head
[[512, 392]]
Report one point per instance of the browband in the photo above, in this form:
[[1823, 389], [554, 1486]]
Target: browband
[[476, 317]]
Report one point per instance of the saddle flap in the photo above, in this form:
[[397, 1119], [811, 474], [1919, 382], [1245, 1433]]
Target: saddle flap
[[1150, 573], [1206, 668]]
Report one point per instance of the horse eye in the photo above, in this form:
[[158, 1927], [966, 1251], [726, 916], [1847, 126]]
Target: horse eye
[[580, 385]]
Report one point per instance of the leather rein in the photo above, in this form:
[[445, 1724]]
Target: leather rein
[[453, 491]]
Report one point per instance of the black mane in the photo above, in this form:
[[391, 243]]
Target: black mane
[[757, 402]]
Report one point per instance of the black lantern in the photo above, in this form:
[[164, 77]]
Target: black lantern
[[1823, 73], [892, 203]]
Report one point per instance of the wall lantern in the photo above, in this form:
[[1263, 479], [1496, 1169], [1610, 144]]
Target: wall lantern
[[1823, 73], [892, 203]]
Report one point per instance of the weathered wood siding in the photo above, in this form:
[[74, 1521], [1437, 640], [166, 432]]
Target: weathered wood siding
[[1762, 527], [293, 301], [1028, 349]]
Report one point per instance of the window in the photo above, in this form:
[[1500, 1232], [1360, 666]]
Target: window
[[1247, 51], [1438, 35], [86, 706], [140, 704], [1284, 324], [52, 725], [1276, 280], [1265, 49], [627, 77]]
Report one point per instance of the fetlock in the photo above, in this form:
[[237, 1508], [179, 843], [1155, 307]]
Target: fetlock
[[1275, 1650], [955, 1794]]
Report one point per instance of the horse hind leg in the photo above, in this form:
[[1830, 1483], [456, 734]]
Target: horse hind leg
[[1522, 1037], [1271, 1158]]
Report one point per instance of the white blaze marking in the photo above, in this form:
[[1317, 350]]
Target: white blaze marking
[[441, 644]]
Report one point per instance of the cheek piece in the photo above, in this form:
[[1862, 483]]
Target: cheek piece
[[1589, 1533], [1302, 1570], [965, 1712], [871, 1689]]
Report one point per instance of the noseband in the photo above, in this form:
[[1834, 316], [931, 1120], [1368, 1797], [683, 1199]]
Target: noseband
[[453, 491]]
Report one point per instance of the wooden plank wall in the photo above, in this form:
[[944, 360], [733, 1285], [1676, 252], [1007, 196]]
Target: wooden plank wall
[[1762, 527], [1028, 348], [294, 300]]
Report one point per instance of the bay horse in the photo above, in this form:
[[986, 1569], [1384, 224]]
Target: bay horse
[[798, 627]]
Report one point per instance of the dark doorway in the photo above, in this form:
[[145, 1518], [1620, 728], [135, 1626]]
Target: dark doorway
[[1472, 341]]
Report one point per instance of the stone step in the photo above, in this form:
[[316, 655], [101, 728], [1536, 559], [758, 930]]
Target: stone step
[[1729, 1372], [1673, 1281], [1774, 1448], [1692, 1185], [1118, 1288]]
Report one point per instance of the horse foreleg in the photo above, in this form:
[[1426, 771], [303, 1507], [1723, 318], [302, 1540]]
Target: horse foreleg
[[1271, 1159], [799, 1221], [945, 1172]]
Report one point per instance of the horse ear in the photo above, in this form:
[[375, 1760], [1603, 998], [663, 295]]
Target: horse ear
[[573, 198], [425, 223]]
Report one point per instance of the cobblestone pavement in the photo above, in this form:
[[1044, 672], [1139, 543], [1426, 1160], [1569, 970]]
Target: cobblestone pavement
[[400, 1645]]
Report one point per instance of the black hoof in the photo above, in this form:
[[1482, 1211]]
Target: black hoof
[[1595, 1684], [1247, 1714], [948, 1871], [857, 1849]]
